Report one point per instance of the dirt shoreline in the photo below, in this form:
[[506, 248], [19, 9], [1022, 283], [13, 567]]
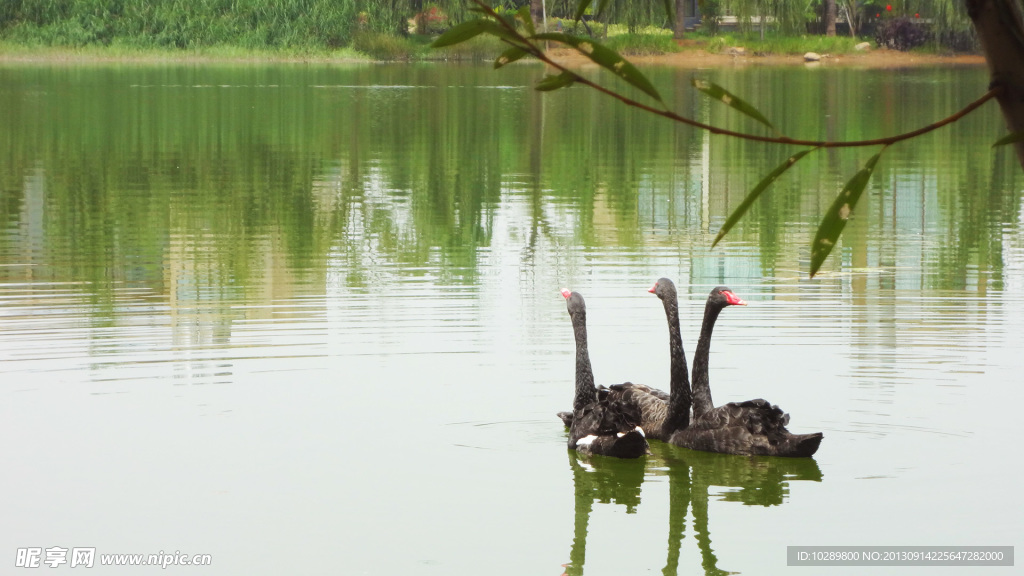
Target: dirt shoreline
[[690, 58], [878, 58]]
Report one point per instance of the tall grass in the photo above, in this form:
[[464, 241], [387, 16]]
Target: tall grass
[[377, 28], [642, 44], [179, 23], [381, 46]]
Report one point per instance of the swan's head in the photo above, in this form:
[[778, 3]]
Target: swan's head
[[663, 288], [725, 297], [574, 302]]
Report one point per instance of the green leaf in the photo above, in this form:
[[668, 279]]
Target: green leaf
[[471, 28], [556, 81], [461, 32], [756, 192], [606, 58], [1011, 138], [718, 93], [527, 19], [835, 219], [601, 6], [508, 56], [581, 9]]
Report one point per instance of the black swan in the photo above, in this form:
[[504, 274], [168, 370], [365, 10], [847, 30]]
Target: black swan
[[600, 424], [653, 404], [750, 427]]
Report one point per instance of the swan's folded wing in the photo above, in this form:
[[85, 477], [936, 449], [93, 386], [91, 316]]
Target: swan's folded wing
[[608, 416], [758, 417], [643, 406], [629, 387], [650, 404]]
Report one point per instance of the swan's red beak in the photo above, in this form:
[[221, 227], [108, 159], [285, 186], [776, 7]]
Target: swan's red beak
[[566, 292], [733, 300], [653, 288]]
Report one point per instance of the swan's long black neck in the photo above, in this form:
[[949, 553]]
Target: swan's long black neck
[[701, 383], [678, 416], [585, 391]]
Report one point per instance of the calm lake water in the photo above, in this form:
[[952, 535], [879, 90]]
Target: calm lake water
[[305, 318]]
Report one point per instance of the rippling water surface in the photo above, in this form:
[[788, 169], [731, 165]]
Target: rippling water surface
[[306, 319]]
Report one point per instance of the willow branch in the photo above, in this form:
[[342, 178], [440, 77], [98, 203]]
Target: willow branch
[[538, 53], [992, 93]]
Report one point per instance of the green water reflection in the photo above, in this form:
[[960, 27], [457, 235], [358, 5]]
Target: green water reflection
[[388, 227], [759, 481], [243, 177]]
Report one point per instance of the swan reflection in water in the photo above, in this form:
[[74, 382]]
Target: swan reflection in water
[[752, 481]]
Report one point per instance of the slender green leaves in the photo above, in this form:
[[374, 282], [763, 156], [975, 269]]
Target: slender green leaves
[[462, 32], [526, 18], [835, 219], [718, 93], [756, 193], [1011, 138], [508, 56], [471, 28], [606, 58], [556, 81], [581, 9]]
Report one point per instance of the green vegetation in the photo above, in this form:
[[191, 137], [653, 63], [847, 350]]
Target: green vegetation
[[402, 29], [129, 170], [779, 44], [383, 46], [249, 24]]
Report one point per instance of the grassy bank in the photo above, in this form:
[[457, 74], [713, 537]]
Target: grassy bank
[[307, 30], [183, 24], [386, 47], [221, 29], [781, 45], [121, 53]]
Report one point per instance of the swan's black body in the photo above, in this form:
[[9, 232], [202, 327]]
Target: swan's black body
[[750, 427], [600, 423], [649, 403]]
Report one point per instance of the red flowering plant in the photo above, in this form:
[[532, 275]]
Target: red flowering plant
[[431, 21]]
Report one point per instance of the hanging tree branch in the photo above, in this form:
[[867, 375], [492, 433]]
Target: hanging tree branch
[[998, 23]]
